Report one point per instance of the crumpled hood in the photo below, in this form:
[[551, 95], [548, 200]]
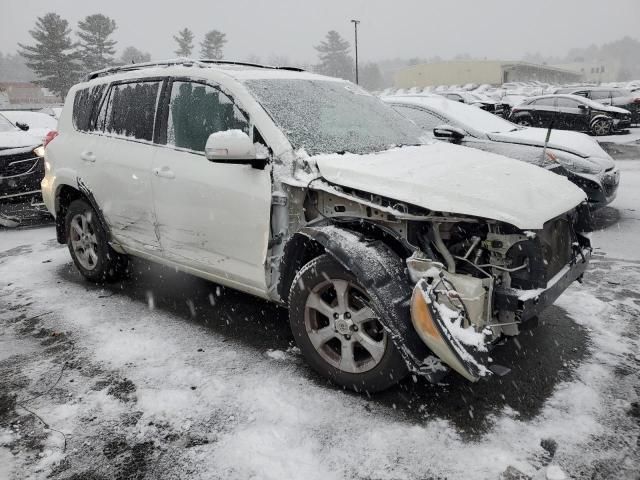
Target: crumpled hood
[[17, 139], [573, 142], [465, 181]]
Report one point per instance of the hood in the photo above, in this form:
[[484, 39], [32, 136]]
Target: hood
[[460, 180], [612, 109], [17, 139], [573, 142]]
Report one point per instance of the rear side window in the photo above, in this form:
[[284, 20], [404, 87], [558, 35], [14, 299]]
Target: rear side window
[[600, 95], [423, 119], [196, 111], [85, 107], [130, 110], [545, 102]]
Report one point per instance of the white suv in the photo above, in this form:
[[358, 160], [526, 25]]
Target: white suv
[[393, 256]]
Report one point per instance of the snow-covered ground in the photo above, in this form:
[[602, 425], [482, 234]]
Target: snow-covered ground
[[632, 137], [167, 376]]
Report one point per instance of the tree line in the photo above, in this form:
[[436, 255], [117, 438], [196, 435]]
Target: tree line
[[59, 60]]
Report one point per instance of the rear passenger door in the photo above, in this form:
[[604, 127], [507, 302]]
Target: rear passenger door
[[571, 116], [117, 165], [213, 217], [544, 112]]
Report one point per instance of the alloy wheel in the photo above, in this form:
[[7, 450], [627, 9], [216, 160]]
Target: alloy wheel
[[343, 328], [84, 241]]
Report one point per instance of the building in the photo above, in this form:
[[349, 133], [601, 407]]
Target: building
[[493, 72], [27, 95], [598, 71]]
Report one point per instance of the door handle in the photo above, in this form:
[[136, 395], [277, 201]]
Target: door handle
[[164, 172], [88, 156]]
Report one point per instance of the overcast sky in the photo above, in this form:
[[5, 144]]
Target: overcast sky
[[503, 29]]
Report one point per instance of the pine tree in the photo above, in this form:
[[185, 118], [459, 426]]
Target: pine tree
[[53, 58], [96, 47], [211, 46], [185, 42], [334, 57], [133, 55]]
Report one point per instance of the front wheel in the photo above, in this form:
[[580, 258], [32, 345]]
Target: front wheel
[[339, 331], [87, 242], [601, 127]]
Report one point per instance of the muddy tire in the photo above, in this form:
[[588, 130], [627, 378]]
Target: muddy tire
[[87, 242], [337, 328]]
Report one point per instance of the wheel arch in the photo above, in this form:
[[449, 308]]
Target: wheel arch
[[376, 265]]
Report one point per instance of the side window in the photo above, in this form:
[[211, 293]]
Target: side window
[[423, 119], [567, 103], [582, 93], [85, 107], [196, 111], [545, 102], [598, 95], [454, 97], [130, 110]]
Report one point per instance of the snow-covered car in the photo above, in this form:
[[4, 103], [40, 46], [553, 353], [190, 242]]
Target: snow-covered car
[[21, 171], [38, 124], [572, 154], [392, 256], [476, 99]]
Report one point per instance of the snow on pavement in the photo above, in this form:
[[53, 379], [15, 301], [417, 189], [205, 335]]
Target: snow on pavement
[[149, 394]]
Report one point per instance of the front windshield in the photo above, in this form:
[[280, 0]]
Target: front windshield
[[472, 118], [6, 125], [325, 116]]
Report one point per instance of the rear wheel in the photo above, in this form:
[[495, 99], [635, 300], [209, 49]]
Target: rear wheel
[[87, 242], [601, 127], [338, 329], [524, 121]]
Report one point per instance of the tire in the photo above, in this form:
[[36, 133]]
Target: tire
[[88, 246], [524, 122], [601, 127], [342, 340]]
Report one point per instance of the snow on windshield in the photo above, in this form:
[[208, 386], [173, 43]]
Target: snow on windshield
[[467, 116], [329, 116]]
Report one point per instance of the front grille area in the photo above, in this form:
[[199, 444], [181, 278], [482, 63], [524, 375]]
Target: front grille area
[[556, 242], [18, 164], [547, 253], [19, 174]]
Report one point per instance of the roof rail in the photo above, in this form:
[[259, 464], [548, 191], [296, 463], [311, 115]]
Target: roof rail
[[180, 61]]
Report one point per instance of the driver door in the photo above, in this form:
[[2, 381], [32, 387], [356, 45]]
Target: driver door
[[213, 217]]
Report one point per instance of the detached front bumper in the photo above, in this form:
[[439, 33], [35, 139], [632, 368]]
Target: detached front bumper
[[527, 304]]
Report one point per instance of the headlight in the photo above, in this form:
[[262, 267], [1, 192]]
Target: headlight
[[575, 164], [39, 151]]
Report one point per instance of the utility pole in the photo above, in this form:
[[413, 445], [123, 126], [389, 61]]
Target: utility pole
[[355, 26]]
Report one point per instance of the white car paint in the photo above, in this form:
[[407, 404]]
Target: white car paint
[[213, 220], [448, 178]]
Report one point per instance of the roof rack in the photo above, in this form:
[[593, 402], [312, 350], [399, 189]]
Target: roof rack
[[187, 62]]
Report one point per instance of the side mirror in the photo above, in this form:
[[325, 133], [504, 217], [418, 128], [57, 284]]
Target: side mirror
[[22, 126], [234, 147], [449, 132]]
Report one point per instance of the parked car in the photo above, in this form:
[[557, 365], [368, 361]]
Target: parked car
[[616, 97], [21, 171], [477, 100], [510, 101], [38, 124], [570, 112], [396, 257], [572, 154]]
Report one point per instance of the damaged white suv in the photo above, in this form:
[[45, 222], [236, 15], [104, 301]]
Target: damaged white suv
[[392, 256]]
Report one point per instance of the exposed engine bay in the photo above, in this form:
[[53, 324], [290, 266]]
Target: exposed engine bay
[[475, 280]]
